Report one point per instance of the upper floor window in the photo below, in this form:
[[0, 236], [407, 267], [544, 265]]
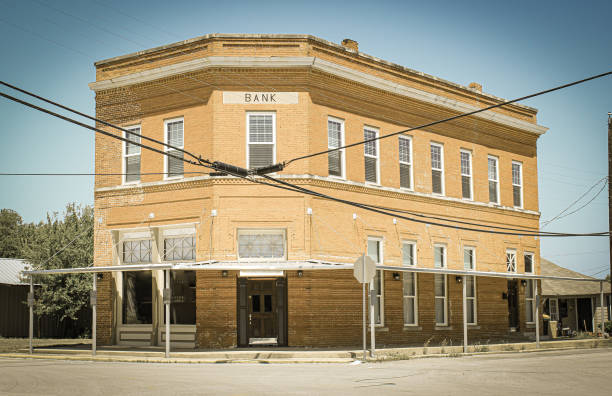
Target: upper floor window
[[408, 254], [466, 174], [131, 156], [528, 263], [439, 256], [370, 155], [405, 160], [493, 180], [511, 260], [253, 244], [137, 251], [261, 138], [179, 248], [335, 139], [437, 168], [469, 258], [517, 184], [174, 137]]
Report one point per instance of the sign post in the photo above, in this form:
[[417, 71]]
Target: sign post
[[364, 270]]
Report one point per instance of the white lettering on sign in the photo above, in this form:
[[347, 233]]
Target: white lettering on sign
[[260, 97]]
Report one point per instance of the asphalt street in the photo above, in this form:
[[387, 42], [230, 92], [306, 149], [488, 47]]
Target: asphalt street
[[542, 373]]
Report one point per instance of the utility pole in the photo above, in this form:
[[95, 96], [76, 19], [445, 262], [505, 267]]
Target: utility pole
[[610, 188]]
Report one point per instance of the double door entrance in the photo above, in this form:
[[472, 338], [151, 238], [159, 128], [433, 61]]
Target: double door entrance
[[262, 311]]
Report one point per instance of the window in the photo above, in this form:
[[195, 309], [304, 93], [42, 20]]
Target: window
[[254, 244], [405, 160], [511, 260], [410, 299], [137, 251], [517, 184], [493, 180], [375, 251], [466, 174], [409, 254], [440, 281], [553, 307], [137, 297], [131, 156], [470, 299], [469, 258], [174, 137], [335, 139], [182, 248], [529, 301], [183, 306], [528, 263], [437, 169], [261, 131], [370, 155], [440, 256]]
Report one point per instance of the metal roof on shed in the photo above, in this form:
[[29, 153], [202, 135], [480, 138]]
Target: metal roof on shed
[[10, 271]]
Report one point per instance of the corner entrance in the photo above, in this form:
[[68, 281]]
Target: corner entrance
[[262, 312]]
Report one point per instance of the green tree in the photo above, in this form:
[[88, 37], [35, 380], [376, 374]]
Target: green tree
[[62, 243], [10, 234]]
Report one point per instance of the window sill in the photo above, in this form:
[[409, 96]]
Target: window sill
[[379, 329], [530, 325], [174, 177], [443, 327], [412, 328], [473, 326]]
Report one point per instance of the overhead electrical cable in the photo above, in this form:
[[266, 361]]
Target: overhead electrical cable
[[562, 214], [286, 163], [98, 174]]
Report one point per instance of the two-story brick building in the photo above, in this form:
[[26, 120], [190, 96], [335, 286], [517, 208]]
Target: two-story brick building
[[266, 266]]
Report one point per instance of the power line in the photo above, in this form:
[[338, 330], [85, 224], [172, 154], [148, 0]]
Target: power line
[[99, 174], [286, 163], [561, 214]]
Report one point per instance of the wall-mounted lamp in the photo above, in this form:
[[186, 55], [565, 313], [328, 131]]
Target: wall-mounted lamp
[[309, 211], [523, 282], [224, 273], [504, 296], [396, 276], [100, 276], [458, 279], [300, 273]]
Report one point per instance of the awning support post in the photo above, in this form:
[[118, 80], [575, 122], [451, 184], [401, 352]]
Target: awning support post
[[601, 307], [372, 321], [94, 302], [465, 327], [365, 340], [31, 304], [167, 299], [537, 313]]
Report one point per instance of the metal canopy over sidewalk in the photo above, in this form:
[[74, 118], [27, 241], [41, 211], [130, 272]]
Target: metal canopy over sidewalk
[[285, 265]]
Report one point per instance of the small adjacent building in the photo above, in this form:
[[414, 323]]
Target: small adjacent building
[[255, 265], [13, 297], [575, 305]]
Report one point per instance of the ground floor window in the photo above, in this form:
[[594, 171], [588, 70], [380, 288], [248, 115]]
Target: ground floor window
[[529, 301], [440, 299], [470, 288], [137, 297], [379, 304], [410, 299], [183, 306]]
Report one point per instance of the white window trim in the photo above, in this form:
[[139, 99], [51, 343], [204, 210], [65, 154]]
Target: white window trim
[[515, 260], [532, 261], [471, 175], [496, 178], [441, 167], [175, 231], [444, 298], [415, 298], [475, 322], [520, 164], [414, 247], [444, 256], [377, 157], [256, 231], [342, 151], [381, 298], [473, 249], [409, 138], [124, 156], [531, 283], [166, 149], [248, 137]]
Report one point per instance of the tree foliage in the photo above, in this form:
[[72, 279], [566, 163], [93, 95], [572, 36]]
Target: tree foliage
[[10, 234], [61, 242]]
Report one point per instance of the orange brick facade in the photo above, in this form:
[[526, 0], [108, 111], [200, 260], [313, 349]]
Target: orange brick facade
[[323, 306]]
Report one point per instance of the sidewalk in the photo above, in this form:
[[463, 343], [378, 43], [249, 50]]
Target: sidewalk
[[291, 355]]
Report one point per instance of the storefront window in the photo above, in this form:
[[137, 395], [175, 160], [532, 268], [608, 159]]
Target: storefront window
[[183, 306], [137, 297]]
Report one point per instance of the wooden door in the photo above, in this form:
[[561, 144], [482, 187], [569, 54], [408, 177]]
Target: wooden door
[[513, 309], [262, 325]]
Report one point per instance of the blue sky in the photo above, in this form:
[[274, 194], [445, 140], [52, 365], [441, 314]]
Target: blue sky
[[511, 48]]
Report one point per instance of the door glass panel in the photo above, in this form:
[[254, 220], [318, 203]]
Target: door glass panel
[[268, 303], [255, 303]]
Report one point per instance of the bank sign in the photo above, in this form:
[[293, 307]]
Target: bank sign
[[260, 97]]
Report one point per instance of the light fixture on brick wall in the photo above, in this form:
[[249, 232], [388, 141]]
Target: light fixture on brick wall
[[396, 276], [523, 282], [458, 279], [300, 273], [224, 273]]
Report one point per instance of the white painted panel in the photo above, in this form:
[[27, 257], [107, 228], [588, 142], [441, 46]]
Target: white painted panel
[[260, 97]]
